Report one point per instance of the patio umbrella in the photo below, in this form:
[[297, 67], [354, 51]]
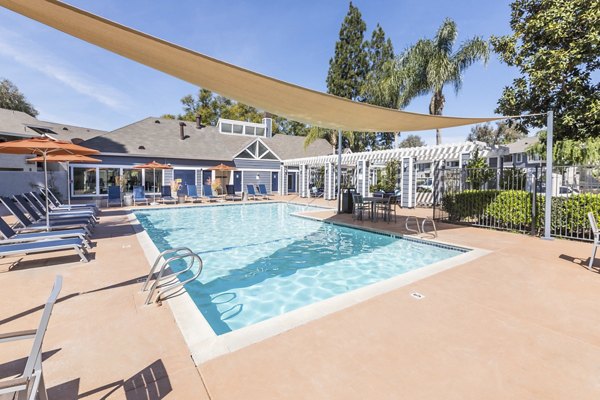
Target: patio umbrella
[[67, 158], [44, 147], [222, 167], [153, 166]]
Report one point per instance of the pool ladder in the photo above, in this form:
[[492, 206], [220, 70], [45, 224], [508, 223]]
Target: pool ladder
[[165, 280], [421, 228]]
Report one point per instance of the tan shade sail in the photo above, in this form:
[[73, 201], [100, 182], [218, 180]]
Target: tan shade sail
[[272, 95]]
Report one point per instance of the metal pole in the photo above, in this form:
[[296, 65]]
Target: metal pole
[[46, 185], [549, 155], [339, 168], [68, 185]]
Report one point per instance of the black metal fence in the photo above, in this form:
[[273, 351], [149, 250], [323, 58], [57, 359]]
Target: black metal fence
[[514, 198]]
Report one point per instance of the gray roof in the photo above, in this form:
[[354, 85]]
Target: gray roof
[[160, 137], [521, 145], [17, 123]]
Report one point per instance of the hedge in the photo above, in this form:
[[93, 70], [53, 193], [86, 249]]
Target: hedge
[[511, 209]]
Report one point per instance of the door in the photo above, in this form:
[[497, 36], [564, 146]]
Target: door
[[274, 181], [291, 182], [187, 176], [237, 181], [206, 180]]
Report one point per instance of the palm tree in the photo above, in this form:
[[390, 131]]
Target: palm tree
[[430, 64], [330, 135]]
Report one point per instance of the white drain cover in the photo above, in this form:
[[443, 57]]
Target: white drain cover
[[417, 295]]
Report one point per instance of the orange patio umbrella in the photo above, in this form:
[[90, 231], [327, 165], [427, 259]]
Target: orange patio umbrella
[[222, 167], [153, 166], [44, 147], [67, 158]]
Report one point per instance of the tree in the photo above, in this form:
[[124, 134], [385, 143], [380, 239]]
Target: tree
[[431, 64], [12, 99], [568, 151], [412, 141], [554, 45], [503, 133], [349, 65], [478, 171]]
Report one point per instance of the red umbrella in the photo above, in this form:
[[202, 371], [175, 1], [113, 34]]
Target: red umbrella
[[153, 166], [44, 147]]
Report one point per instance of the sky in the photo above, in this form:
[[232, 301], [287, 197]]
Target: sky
[[73, 82]]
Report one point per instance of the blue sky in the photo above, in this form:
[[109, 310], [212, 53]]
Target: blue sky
[[73, 82]]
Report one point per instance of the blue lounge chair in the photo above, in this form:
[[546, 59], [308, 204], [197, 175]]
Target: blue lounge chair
[[45, 246], [26, 204], [262, 189], [41, 207], [252, 193], [28, 225], [30, 382], [10, 236], [231, 195], [192, 194], [208, 193], [75, 207], [139, 196], [114, 196], [165, 195], [54, 200]]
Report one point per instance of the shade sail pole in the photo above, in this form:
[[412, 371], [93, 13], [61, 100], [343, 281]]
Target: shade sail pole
[[69, 184], [549, 155], [339, 170], [46, 186]]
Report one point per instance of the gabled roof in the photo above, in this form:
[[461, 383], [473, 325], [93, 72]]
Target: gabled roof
[[521, 145], [160, 137], [20, 124]]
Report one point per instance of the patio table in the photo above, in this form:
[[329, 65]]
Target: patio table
[[374, 201]]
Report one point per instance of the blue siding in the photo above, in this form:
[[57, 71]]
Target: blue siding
[[256, 164]]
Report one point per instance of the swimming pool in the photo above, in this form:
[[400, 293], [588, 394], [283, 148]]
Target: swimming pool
[[260, 261]]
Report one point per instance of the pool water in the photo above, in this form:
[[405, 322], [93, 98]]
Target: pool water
[[260, 261]]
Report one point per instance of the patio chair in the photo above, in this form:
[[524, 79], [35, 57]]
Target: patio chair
[[388, 208], [165, 195], [208, 193], [359, 207], [28, 225], [596, 233], [45, 246], [30, 383], [114, 196], [192, 194], [262, 189], [42, 200], [231, 195], [10, 236], [139, 196], [54, 200], [252, 192], [315, 192], [41, 207], [33, 213]]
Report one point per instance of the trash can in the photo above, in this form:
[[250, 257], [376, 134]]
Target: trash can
[[347, 202], [128, 199]]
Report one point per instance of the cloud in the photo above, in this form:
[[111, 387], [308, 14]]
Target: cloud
[[34, 57]]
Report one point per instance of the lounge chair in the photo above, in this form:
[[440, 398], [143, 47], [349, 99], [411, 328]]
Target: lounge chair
[[45, 246], [30, 383], [54, 200], [26, 204], [252, 193], [41, 207], [28, 225], [114, 196], [314, 192], [192, 194], [139, 196], [208, 193], [231, 195], [596, 233], [10, 236], [165, 195], [262, 189], [42, 200]]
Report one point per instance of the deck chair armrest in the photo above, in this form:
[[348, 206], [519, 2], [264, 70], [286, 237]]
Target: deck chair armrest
[[19, 335], [16, 384]]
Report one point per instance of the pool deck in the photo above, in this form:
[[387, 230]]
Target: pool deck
[[519, 323]]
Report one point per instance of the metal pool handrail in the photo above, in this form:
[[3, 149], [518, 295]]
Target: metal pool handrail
[[171, 283], [427, 219]]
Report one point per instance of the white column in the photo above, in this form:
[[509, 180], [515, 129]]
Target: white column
[[549, 164]]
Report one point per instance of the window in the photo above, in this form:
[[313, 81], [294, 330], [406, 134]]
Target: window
[[149, 180], [452, 164], [423, 167], [239, 129], [534, 157], [226, 128], [260, 131], [519, 157], [84, 181], [507, 158], [249, 130], [131, 178], [108, 177]]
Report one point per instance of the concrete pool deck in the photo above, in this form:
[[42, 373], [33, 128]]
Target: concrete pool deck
[[518, 323]]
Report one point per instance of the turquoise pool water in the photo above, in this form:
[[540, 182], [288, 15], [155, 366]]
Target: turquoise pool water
[[260, 261]]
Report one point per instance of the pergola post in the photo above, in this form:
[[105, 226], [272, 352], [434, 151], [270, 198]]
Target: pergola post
[[549, 155], [339, 171]]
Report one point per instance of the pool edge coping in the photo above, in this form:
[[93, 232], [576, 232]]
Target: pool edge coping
[[204, 344]]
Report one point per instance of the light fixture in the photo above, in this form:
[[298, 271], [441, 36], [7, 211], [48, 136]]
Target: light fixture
[[257, 177]]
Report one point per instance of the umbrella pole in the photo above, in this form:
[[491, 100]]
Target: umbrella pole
[[154, 183], [46, 186], [68, 185]]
